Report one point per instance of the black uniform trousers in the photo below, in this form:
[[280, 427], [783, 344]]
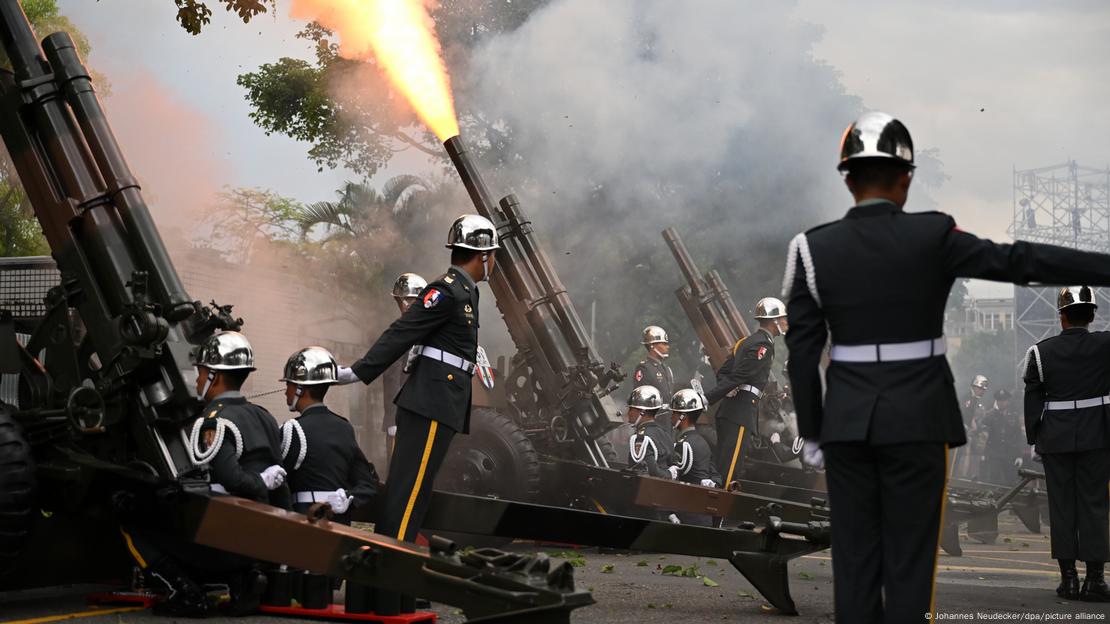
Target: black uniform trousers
[[1078, 504], [884, 538], [732, 432], [419, 451]]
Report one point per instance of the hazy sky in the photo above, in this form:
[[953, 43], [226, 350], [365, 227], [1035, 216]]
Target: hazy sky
[[991, 84]]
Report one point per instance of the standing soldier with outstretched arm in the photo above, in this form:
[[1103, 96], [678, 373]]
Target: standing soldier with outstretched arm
[[440, 333], [741, 382], [1067, 389], [876, 283]]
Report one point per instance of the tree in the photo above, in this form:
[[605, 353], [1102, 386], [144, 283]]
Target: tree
[[193, 15], [245, 218]]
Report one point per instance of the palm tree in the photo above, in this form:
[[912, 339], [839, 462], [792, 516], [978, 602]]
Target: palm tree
[[361, 209]]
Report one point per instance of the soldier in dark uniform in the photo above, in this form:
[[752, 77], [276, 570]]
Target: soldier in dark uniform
[[440, 333], [1067, 390], [741, 382], [966, 460], [1005, 447], [240, 444], [319, 449], [650, 447], [237, 440], [406, 291], [652, 370], [876, 283], [692, 459]]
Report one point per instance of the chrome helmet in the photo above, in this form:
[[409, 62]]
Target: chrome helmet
[[409, 285], [687, 400], [473, 232], [770, 308], [876, 135], [1075, 295], [980, 381], [646, 398], [311, 366], [654, 334], [225, 351]]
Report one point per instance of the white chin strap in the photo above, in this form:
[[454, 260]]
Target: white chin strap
[[662, 356], [207, 384], [638, 419], [778, 324], [296, 397], [680, 419]]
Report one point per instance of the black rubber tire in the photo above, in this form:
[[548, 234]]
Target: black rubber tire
[[509, 460], [17, 485]]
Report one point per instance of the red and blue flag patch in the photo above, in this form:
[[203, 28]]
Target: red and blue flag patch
[[432, 297]]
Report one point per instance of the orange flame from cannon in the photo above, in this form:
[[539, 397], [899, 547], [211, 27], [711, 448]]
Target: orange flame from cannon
[[400, 36]]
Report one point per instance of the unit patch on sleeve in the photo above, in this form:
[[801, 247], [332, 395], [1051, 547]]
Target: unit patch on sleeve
[[432, 297], [760, 353]]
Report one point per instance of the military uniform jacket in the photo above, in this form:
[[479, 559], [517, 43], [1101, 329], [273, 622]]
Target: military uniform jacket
[[749, 363], [446, 318], [1071, 366], [1004, 439], [261, 443], [329, 457], [694, 459], [650, 450], [882, 276], [653, 372]]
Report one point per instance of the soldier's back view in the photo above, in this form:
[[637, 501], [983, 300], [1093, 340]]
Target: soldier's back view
[[876, 283]]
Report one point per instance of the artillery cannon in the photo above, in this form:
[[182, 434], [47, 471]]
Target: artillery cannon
[[553, 398], [93, 436]]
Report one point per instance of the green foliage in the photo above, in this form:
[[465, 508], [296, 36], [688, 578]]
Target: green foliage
[[606, 568], [244, 218], [573, 557], [193, 15], [38, 10], [20, 234]]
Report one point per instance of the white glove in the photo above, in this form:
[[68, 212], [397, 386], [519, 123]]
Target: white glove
[[391, 431], [339, 501], [674, 472], [273, 477], [812, 455], [674, 519], [775, 438], [708, 483], [1018, 462], [217, 488], [346, 376]]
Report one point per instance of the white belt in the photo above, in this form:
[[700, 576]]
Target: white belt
[[893, 352], [1080, 404], [312, 497], [447, 358], [749, 388]]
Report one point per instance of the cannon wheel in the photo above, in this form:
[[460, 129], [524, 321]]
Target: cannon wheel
[[497, 459], [16, 488]]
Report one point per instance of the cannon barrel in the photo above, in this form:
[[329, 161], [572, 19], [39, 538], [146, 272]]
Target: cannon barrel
[[707, 304], [116, 272], [573, 381]]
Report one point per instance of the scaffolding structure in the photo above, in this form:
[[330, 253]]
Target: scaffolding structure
[[1066, 205]]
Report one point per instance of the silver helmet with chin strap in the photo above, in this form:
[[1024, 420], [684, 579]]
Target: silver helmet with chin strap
[[311, 366], [408, 285], [1075, 296], [646, 398], [473, 232], [770, 308], [225, 351]]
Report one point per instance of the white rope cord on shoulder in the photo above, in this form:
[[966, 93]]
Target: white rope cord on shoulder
[[201, 457], [1035, 354], [647, 442], [799, 246], [687, 458], [290, 427]]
